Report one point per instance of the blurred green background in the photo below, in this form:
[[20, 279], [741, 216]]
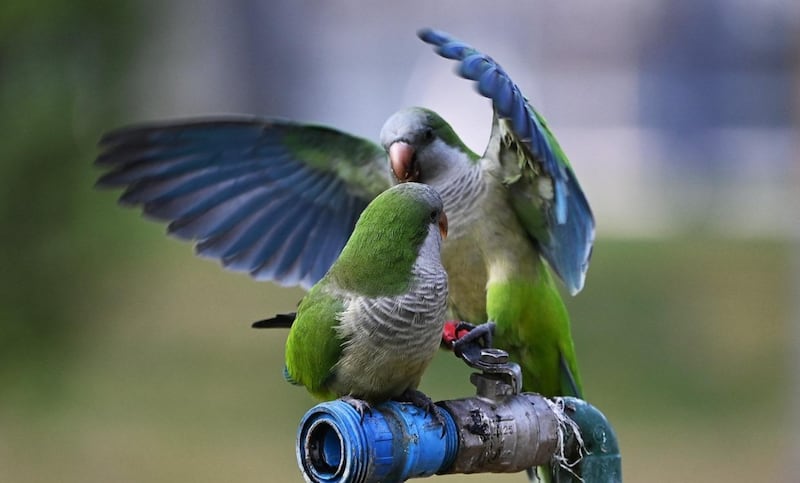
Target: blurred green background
[[125, 358]]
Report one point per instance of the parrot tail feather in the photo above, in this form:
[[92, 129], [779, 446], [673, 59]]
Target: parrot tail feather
[[568, 383], [289, 377], [533, 475], [280, 321]]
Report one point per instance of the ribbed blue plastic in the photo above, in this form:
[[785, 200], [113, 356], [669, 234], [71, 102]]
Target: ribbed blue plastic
[[395, 442]]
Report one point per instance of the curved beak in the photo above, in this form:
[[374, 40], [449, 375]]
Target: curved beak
[[404, 166], [443, 225]]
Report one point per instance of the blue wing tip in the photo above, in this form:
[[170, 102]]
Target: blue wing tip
[[494, 83], [576, 277], [431, 36], [576, 284]]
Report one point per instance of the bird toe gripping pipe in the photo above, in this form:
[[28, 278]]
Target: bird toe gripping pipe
[[498, 431]]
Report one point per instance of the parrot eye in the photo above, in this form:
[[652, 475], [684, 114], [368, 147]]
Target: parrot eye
[[428, 134], [434, 215]]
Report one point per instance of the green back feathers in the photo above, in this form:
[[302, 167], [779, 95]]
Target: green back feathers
[[314, 327], [446, 133], [323, 147], [378, 258], [552, 140], [360, 163], [532, 322]]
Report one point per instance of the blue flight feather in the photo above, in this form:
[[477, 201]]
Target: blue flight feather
[[513, 107], [243, 191], [568, 240]]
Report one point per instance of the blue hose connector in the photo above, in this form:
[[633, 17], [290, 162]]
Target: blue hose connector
[[393, 442]]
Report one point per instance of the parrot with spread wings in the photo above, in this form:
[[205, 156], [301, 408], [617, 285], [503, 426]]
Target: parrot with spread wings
[[278, 200]]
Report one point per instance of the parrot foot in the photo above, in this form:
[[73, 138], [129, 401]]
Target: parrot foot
[[362, 407], [422, 401], [452, 331], [473, 334]]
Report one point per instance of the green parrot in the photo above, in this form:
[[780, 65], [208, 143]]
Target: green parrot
[[514, 210], [371, 326], [278, 199]]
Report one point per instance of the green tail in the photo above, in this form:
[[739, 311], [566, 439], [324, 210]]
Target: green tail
[[533, 326]]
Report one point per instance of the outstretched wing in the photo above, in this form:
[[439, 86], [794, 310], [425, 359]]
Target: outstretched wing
[[544, 190], [270, 197]]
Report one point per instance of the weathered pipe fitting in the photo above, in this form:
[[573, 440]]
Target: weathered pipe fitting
[[601, 460], [399, 441], [502, 436], [497, 431]]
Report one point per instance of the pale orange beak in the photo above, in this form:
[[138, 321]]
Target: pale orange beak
[[443, 225], [404, 167]]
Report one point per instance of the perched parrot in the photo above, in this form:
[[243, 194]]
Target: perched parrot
[[516, 212], [371, 326], [512, 209], [278, 199]]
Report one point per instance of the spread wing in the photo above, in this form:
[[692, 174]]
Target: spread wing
[[270, 197], [544, 191]]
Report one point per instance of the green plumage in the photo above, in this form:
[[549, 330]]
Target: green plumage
[[355, 160], [377, 259], [313, 346], [391, 262], [533, 325]]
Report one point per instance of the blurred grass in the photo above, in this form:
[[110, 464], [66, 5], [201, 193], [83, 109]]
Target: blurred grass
[[683, 345]]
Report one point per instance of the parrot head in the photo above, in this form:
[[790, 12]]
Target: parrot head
[[410, 205], [422, 147]]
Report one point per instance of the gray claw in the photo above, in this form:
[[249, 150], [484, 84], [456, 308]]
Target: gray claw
[[361, 406], [476, 332], [422, 401]]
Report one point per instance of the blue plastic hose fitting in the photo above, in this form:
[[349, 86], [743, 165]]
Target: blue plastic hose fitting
[[393, 442]]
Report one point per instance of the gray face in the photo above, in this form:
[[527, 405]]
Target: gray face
[[411, 138], [410, 125]]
